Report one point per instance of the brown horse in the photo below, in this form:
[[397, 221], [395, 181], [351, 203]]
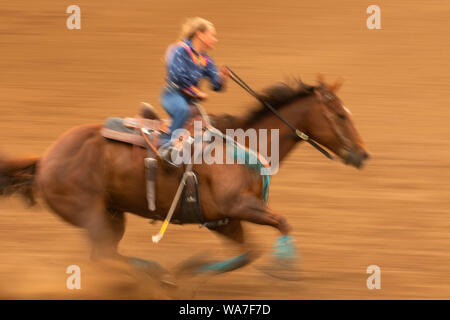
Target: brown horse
[[90, 181]]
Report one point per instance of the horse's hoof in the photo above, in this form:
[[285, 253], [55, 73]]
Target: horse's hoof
[[190, 266], [168, 280], [288, 270]]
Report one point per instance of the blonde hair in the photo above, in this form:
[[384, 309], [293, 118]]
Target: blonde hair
[[192, 25]]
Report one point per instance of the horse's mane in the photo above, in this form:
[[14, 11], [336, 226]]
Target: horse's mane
[[277, 95]]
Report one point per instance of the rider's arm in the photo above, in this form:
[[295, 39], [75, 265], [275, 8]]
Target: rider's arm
[[181, 73], [211, 71]]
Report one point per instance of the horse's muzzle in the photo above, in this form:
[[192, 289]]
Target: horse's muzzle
[[3, 184], [355, 158]]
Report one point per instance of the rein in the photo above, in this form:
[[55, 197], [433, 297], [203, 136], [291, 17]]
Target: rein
[[297, 132]]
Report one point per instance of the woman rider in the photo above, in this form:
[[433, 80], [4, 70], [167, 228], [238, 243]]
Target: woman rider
[[187, 63]]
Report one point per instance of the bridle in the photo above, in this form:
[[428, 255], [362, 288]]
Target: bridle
[[326, 98], [296, 131]]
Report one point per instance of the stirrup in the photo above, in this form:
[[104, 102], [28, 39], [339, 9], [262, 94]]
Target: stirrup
[[165, 152]]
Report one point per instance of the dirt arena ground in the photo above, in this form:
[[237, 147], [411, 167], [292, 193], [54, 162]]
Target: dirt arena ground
[[394, 213]]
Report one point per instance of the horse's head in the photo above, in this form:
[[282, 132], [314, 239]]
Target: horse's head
[[331, 124], [5, 183], [315, 110]]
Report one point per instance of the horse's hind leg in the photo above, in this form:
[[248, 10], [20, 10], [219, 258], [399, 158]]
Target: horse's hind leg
[[105, 230]]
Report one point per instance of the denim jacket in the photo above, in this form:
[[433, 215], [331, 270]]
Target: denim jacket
[[186, 67]]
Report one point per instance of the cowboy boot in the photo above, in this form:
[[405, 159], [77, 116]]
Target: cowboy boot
[[166, 151]]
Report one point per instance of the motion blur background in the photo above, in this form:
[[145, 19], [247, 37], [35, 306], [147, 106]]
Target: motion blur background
[[394, 213]]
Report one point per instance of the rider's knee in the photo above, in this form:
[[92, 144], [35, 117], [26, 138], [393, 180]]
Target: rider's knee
[[185, 112]]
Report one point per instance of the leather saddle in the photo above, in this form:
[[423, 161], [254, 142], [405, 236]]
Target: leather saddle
[[143, 130]]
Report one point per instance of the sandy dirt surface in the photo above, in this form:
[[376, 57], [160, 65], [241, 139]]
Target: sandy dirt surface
[[394, 213]]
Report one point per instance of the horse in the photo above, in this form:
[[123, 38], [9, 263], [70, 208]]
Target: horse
[[90, 181]]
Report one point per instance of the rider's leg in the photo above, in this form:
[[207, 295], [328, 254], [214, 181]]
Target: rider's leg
[[177, 107]]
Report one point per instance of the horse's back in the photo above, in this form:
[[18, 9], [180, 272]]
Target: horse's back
[[75, 152], [73, 138]]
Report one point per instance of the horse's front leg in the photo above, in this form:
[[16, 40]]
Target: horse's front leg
[[253, 209], [285, 255], [204, 264]]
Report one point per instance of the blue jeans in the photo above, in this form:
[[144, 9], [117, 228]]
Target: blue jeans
[[177, 106]]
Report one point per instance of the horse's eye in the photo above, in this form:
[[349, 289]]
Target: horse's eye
[[328, 97], [341, 116]]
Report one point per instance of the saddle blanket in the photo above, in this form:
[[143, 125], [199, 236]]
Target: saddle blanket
[[130, 130]]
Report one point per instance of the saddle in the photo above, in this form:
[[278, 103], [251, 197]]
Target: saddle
[[144, 131]]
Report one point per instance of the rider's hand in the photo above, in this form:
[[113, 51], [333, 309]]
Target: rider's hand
[[202, 95], [224, 72]]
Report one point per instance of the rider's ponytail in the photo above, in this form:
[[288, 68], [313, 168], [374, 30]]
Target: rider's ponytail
[[192, 25], [188, 30]]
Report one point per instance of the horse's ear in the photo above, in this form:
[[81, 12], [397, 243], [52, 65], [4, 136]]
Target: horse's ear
[[337, 84], [321, 79], [318, 94]]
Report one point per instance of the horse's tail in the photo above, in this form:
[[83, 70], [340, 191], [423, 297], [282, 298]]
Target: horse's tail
[[17, 176]]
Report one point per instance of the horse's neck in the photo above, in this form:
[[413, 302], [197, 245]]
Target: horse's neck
[[295, 113]]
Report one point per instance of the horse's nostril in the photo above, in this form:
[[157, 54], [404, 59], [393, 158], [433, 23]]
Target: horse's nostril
[[365, 155]]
